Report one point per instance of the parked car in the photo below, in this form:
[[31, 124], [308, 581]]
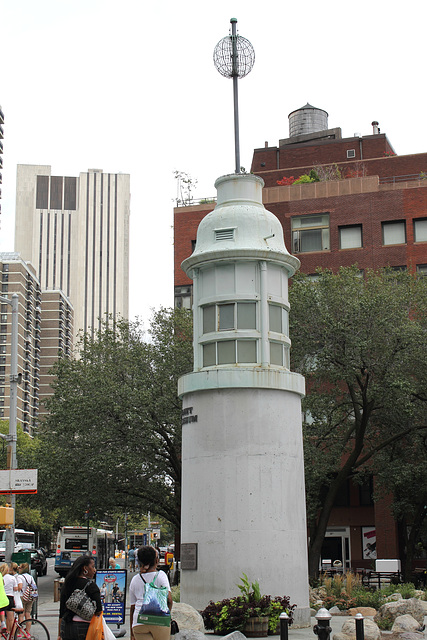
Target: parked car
[[38, 561]]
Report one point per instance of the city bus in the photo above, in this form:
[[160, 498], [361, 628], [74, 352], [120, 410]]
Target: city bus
[[23, 539], [73, 542]]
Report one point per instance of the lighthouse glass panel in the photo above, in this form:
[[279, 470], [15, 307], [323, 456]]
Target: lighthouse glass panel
[[246, 317], [227, 352], [209, 354], [226, 317], [275, 313], [246, 351], [276, 353], [209, 316]]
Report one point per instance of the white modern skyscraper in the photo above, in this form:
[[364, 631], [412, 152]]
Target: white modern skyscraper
[[75, 232]]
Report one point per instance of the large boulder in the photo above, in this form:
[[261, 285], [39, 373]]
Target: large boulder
[[189, 634], [348, 630], [187, 618], [391, 610], [365, 611], [404, 624]]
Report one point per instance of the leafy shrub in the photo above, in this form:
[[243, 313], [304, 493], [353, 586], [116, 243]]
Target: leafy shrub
[[367, 598], [386, 623], [175, 591], [278, 605], [304, 179], [231, 614], [406, 590]]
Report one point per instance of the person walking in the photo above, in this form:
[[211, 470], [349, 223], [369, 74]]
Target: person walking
[[80, 576], [113, 564], [9, 583], [148, 560], [131, 559], [13, 570], [27, 580]]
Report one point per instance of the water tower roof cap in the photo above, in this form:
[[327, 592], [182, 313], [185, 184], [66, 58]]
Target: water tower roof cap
[[308, 106]]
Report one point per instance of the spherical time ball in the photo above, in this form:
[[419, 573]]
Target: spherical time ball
[[223, 57]]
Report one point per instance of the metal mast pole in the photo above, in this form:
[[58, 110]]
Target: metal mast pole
[[235, 76]]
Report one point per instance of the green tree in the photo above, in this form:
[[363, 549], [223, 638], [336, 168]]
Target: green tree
[[402, 472], [360, 343], [112, 439]]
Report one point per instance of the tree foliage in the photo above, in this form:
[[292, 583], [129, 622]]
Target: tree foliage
[[360, 343], [112, 439]]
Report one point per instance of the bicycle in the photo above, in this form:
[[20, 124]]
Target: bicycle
[[38, 631]]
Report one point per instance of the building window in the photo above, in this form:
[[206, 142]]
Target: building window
[[227, 317], [351, 237], [5, 267], [310, 233], [422, 269], [394, 232], [3, 328], [4, 288], [3, 348], [3, 317], [351, 153], [3, 339], [5, 277], [420, 230], [2, 359]]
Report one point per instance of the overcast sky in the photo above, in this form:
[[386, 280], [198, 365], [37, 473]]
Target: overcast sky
[[129, 86]]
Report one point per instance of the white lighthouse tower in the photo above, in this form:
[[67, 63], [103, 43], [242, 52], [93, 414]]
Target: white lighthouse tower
[[243, 497]]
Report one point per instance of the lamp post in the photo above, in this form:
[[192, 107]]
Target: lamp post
[[11, 438]]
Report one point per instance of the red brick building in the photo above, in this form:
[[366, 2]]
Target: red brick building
[[369, 209]]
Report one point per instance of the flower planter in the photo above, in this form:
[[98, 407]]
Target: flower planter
[[256, 627]]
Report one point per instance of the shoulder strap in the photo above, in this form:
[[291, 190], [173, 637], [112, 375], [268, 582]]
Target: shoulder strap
[[153, 582], [144, 581]]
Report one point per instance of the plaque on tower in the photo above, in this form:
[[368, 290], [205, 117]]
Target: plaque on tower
[[189, 556]]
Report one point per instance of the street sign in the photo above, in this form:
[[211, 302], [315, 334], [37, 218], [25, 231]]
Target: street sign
[[18, 481]]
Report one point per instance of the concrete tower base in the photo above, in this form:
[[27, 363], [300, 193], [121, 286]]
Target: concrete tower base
[[243, 491]]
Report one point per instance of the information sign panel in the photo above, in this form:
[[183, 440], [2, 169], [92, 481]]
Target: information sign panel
[[112, 585], [18, 481]]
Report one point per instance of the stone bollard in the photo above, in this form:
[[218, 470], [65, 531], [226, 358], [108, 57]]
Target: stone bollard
[[284, 625], [322, 628], [360, 632]]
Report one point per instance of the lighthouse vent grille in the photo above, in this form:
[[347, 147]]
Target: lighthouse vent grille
[[224, 234]]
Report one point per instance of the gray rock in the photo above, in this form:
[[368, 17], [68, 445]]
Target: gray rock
[[187, 618], [405, 623], [189, 634], [235, 635], [391, 610], [394, 597], [348, 630], [335, 611]]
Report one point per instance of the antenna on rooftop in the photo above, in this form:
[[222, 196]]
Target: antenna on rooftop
[[234, 57]]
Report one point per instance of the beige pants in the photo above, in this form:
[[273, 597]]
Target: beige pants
[[151, 632]]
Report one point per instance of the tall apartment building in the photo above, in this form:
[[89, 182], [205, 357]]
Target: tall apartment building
[[56, 337], [75, 232], [18, 277], [45, 324], [371, 210]]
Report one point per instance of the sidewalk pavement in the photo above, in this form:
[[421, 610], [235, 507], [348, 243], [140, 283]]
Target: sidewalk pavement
[[48, 613]]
